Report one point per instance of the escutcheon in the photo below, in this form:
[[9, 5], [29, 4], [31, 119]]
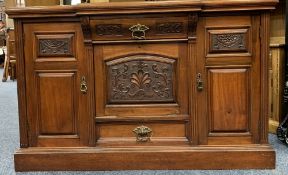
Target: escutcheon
[[83, 85]]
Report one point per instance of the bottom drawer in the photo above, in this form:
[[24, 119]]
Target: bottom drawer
[[141, 134]]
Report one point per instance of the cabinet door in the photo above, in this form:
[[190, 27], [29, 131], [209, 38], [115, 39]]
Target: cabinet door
[[229, 71], [55, 69]]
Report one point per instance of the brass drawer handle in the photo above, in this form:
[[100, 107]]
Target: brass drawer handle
[[143, 133], [83, 85], [138, 31]]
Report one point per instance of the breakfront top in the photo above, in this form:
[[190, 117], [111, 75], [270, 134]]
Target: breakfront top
[[143, 7]]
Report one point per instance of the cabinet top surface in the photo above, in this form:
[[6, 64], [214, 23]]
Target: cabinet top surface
[[141, 7]]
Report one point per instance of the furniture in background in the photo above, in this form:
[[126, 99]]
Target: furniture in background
[[276, 66], [2, 11], [276, 72], [10, 62], [144, 85], [285, 84], [2, 34], [41, 2], [282, 131], [2, 56]]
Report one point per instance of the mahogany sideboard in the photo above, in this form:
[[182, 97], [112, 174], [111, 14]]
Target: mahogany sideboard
[[144, 85]]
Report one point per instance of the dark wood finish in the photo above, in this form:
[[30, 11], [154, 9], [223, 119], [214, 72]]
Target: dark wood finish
[[160, 82]]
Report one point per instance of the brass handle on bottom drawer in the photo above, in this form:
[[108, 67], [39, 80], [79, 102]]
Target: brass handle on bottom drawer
[[83, 85], [143, 133]]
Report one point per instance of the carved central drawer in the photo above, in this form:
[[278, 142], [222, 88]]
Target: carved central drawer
[[139, 28]]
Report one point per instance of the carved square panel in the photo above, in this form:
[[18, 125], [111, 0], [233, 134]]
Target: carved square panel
[[55, 45], [228, 41], [141, 79]]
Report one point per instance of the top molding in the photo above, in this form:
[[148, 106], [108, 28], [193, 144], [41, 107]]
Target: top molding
[[141, 7]]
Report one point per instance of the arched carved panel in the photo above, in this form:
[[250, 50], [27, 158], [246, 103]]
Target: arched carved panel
[[141, 79]]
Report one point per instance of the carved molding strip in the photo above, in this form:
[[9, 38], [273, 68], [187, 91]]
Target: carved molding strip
[[109, 29], [169, 27], [228, 42], [55, 45], [138, 79]]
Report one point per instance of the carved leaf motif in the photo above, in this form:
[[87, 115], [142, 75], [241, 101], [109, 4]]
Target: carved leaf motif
[[140, 79]]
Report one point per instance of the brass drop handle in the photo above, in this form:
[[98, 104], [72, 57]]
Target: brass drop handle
[[143, 133], [199, 81], [138, 31], [83, 85]]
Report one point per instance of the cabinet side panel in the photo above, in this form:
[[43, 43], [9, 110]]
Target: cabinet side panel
[[21, 84]]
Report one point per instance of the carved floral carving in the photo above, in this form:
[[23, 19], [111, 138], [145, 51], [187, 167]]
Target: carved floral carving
[[228, 41], [109, 29], [51, 47], [140, 80], [169, 27]]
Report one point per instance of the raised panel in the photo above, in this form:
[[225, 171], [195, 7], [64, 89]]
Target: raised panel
[[229, 98], [141, 79], [57, 102]]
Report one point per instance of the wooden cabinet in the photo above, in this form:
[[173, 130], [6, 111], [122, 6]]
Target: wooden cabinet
[[172, 86]]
